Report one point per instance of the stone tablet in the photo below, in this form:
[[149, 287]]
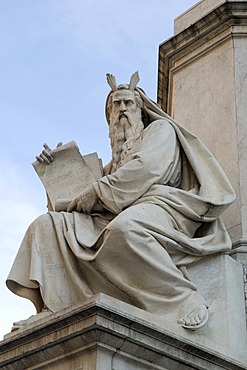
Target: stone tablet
[[68, 175]]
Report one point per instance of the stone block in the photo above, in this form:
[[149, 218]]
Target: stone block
[[220, 281]]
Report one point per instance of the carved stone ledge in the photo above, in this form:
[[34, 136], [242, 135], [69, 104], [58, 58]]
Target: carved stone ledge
[[216, 22], [104, 333]]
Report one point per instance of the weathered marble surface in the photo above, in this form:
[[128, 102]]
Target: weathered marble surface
[[198, 85], [202, 78], [196, 12]]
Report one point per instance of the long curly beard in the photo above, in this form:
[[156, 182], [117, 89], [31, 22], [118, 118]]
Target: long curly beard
[[123, 132]]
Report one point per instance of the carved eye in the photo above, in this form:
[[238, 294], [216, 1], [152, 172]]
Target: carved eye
[[129, 102]]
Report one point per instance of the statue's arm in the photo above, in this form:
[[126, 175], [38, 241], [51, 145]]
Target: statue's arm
[[85, 202]]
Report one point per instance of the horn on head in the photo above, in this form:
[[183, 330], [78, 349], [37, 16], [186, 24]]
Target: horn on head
[[111, 80], [134, 79]]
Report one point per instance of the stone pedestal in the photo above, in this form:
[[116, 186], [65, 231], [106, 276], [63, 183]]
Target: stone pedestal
[[104, 333]]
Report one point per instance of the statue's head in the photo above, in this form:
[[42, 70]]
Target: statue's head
[[124, 108], [123, 98]]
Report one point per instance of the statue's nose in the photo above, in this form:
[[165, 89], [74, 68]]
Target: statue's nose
[[122, 107]]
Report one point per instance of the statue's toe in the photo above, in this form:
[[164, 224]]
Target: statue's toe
[[196, 318], [24, 323]]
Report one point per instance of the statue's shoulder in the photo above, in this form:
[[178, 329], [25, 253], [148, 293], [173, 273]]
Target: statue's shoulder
[[159, 127]]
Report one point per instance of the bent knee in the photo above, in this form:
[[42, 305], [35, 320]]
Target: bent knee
[[41, 221], [124, 225]]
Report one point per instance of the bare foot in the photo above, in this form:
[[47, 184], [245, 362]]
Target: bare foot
[[196, 318], [23, 323]]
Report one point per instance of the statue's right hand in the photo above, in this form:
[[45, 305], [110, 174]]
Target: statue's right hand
[[45, 156]]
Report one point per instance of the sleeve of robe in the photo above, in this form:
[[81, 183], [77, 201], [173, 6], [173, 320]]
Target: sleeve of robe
[[151, 162]]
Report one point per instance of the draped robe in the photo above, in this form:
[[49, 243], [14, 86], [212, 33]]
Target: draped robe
[[161, 212]]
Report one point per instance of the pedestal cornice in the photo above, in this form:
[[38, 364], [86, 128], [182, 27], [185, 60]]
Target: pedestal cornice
[[218, 23]]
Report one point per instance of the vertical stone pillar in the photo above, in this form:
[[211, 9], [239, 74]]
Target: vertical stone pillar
[[203, 84]]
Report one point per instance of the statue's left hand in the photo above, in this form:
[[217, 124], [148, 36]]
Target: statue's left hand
[[84, 202]]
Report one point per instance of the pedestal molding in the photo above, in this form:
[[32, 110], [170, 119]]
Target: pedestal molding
[[97, 323], [211, 25]]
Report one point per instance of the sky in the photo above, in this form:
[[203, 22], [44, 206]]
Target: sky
[[54, 56]]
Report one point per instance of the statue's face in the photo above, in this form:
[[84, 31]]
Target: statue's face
[[125, 124], [124, 101]]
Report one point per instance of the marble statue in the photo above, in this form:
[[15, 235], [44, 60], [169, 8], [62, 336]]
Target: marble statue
[[161, 197]]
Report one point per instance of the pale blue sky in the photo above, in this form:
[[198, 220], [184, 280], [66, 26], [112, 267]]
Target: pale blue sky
[[54, 55]]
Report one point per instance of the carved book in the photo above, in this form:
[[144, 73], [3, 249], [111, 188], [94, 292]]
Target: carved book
[[68, 175]]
